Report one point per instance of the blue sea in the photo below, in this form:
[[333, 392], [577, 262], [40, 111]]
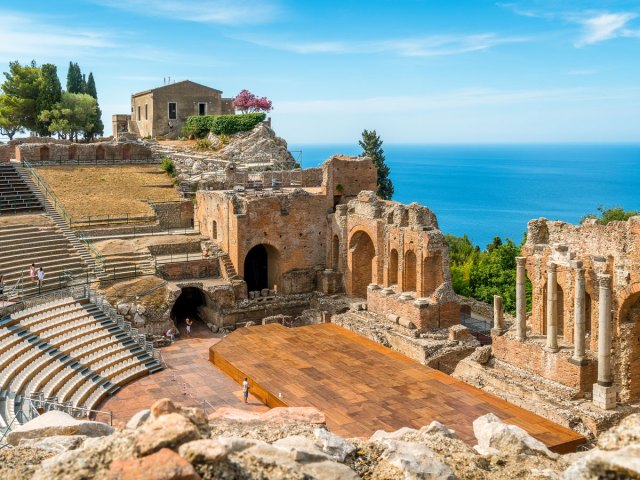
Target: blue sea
[[486, 191]]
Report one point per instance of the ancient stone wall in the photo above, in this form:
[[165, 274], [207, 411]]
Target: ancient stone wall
[[7, 152], [191, 269], [570, 267], [70, 153], [174, 214]]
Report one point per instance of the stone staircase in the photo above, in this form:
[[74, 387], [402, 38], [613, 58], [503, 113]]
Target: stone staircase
[[119, 266], [53, 213], [45, 246], [227, 270], [16, 196]]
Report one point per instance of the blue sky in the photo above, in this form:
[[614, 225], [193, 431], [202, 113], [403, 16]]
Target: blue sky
[[417, 71]]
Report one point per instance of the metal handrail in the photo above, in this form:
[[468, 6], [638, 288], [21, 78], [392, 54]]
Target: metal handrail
[[48, 193], [37, 401]]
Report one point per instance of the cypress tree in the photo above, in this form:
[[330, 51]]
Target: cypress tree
[[74, 78], [371, 145], [83, 82], [49, 94], [91, 86]]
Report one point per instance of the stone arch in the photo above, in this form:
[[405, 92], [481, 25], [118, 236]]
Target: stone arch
[[409, 283], [189, 304], [73, 152], [392, 273], [432, 274], [100, 152], [628, 365], [126, 152], [335, 253], [45, 153], [362, 253], [262, 267]]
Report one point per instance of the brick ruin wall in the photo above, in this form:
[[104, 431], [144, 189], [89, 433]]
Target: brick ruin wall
[[74, 152], [174, 214], [612, 249]]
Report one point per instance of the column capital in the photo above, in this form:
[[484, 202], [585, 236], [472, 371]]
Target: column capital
[[604, 280], [577, 264], [521, 261], [551, 267]]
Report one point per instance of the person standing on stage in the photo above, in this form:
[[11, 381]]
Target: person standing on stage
[[245, 390]]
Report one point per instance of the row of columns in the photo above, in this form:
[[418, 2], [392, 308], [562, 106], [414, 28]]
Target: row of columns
[[604, 317]]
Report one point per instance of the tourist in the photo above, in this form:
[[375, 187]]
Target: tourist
[[1, 285], [170, 334], [40, 276], [33, 273], [189, 322], [245, 390]]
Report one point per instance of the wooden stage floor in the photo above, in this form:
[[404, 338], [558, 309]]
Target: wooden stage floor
[[362, 386]]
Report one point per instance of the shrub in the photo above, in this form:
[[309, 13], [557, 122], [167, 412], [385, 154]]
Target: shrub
[[201, 125], [203, 144], [168, 166]]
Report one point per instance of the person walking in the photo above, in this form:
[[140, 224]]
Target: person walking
[[189, 322], [170, 334], [245, 390], [40, 276], [33, 273]]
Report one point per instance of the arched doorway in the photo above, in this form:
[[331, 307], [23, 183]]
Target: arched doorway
[[409, 272], [392, 273], [261, 268], [72, 152], [44, 153], [99, 152], [432, 275], [335, 253], [126, 152], [188, 305], [629, 341], [362, 252]]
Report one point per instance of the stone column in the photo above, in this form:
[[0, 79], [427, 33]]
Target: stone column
[[552, 309], [578, 315], [498, 315], [521, 299], [604, 395]]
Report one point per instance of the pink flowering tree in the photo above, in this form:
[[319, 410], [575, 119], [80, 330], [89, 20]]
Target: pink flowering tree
[[247, 102]]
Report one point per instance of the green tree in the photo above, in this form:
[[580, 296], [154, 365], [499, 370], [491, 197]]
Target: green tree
[[49, 94], [98, 126], [372, 147], [74, 115], [606, 215], [9, 123], [74, 78], [21, 88]]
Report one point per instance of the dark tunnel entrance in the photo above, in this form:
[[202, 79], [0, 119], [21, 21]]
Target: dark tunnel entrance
[[256, 269], [187, 305]]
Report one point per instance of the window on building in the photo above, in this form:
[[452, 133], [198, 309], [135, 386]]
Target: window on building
[[173, 111], [202, 109], [146, 111], [138, 112]]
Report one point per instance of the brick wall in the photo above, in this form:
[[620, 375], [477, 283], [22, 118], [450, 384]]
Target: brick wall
[[192, 269]]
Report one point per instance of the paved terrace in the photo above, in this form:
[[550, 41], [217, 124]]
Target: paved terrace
[[362, 386], [187, 364]]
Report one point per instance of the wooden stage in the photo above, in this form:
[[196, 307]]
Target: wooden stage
[[362, 386]]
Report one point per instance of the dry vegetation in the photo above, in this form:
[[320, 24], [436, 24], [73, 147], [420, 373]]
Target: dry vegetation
[[106, 190], [36, 220], [130, 245], [128, 290]]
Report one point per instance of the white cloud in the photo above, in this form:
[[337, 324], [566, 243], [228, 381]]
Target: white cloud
[[605, 26], [465, 98], [23, 35], [225, 12], [426, 46]]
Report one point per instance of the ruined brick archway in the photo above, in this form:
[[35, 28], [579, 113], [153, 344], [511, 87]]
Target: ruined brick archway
[[99, 152], [361, 252], [261, 267], [409, 284], [432, 274], [392, 274], [44, 153], [126, 152], [187, 305], [628, 348]]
